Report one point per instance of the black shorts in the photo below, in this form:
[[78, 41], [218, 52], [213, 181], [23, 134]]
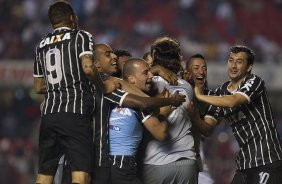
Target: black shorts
[[65, 133], [101, 175], [124, 170], [267, 174]]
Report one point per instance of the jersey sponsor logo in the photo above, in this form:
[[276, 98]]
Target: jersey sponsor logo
[[113, 127], [249, 84], [123, 111], [54, 39], [263, 177]]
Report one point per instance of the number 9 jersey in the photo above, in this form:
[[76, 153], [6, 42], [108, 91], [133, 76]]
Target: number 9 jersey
[[58, 61]]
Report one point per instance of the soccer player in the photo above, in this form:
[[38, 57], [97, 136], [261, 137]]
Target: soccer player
[[196, 73], [63, 71], [172, 160], [126, 125], [243, 102]]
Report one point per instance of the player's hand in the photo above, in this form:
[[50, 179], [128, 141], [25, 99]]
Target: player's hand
[[177, 99], [187, 76], [111, 84], [168, 75]]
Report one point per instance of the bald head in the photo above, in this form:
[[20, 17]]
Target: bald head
[[137, 72], [131, 66]]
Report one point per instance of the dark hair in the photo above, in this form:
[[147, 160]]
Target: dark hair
[[146, 55], [59, 12], [120, 53], [249, 52], [195, 56], [166, 52]]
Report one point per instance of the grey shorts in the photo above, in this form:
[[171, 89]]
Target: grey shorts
[[180, 172]]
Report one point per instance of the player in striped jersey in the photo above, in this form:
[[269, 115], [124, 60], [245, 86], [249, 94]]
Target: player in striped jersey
[[105, 61], [243, 102], [63, 71], [196, 73]]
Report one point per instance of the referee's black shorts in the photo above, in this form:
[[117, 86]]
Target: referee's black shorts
[[69, 134]]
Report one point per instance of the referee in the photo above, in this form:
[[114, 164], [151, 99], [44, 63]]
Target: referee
[[243, 102], [63, 70]]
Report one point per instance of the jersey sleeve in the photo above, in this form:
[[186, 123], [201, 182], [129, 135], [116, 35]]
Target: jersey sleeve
[[116, 96], [85, 43], [214, 112], [251, 88], [145, 114], [37, 69]]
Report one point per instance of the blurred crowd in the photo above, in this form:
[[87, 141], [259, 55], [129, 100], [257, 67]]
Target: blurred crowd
[[208, 27], [19, 126]]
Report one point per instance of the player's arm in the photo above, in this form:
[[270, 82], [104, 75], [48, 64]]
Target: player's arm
[[168, 75], [134, 101], [125, 86], [157, 123], [39, 85], [228, 101], [157, 127], [205, 126], [93, 75]]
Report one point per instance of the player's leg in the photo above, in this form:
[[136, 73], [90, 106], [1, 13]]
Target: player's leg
[[78, 143], [49, 150], [80, 177]]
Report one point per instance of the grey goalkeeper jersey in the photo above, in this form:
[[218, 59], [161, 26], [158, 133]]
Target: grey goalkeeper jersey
[[179, 142]]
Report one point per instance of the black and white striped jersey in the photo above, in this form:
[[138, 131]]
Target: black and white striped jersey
[[103, 107], [58, 61], [204, 106], [252, 124]]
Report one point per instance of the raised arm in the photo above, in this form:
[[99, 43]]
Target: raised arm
[[135, 101], [168, 75], [228, 101]]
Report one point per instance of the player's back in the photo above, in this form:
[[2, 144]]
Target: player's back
[[180, 142], [67, 86]]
